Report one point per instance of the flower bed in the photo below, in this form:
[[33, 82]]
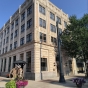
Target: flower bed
[[79, 82], [21, 83]]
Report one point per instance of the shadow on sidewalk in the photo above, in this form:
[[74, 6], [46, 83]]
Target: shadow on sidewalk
[[68, 84]]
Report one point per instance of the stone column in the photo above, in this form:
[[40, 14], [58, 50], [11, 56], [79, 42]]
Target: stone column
[[3, 66], [0, 64], [24, 60], [11, 62], [74, 67], [17, 57], [7, 61]]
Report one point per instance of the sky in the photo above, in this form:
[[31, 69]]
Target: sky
[[70, 7]]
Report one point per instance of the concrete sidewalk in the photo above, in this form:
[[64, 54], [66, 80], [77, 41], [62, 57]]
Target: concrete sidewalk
[[49, 83]]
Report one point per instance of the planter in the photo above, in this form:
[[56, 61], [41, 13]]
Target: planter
[[10, 84], [21, 84], [79, 82]]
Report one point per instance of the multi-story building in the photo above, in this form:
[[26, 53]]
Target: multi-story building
[[30, 34]]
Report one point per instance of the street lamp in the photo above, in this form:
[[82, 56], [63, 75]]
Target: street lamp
[[61, 78], [40, 60]]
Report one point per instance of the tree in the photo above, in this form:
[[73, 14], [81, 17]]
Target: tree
[[75, 38]]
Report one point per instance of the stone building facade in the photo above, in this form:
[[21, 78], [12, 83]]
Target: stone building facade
[[30, 34]]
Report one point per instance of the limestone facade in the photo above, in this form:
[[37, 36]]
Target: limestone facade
[[32, 19]]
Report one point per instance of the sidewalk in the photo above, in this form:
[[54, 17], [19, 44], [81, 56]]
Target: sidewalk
[[49, 83]]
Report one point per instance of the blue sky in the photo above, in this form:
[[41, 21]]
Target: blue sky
[[71, 7]]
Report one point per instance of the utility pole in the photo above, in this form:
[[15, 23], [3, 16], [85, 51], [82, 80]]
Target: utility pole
[[61, 78]]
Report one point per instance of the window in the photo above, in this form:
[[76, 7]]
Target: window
[[6, 49], [29, 37], [4, 42], [22, 28], [44, 64], [16, 33], [53, 40], [22, 56], [14, 59], [42, 9], [52, 16], [53, 28], [22, 41], [0, 51], [29, 23], [7, 39], [23, 16], [0, 44], [42, 23], [4, 65], [12, 25], [9, 64], [65, 24], [1, 35], [28, 60], [5, 33], [10, 46], [42, 37], [3, 50], [16, 22], [29, 10], [59, 20], [7, 30], [11, 36], [15, 44]]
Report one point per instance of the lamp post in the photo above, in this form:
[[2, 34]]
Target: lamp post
[[61, 78], [40, 60]]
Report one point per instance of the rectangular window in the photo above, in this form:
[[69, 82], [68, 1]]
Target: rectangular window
[[4, 42], [16, 22], [4, 65], [59, 20], [22, 41], [41, 9], [10, 46], [22, 28], [29, 10], [14, 59], [7, 30], [29, 23], [3, 50], [53, 28], [42, 23], [29, 37], [42, 37], [22, 56], [65, 24], [15, 44], [16, 33], [5, 33], [53, 40], [12, 26], [6, 49], [44, 64], [23, 16], [11, 36], [52, 16], [7, 39], [28, 60], [9, 64]]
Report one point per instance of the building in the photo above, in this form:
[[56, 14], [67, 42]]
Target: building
[[30, 34]]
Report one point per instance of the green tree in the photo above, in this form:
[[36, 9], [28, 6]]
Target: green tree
[[75, 38]]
